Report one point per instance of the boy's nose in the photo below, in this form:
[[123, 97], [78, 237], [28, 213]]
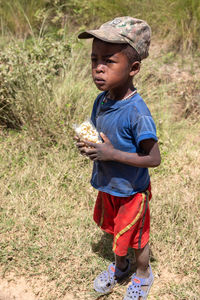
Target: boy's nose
[[100, 68]]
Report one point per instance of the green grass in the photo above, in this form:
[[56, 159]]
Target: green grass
[[178, 20], [46, 202]]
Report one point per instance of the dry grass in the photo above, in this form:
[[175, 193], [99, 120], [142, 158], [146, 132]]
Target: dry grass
[[47, 232]]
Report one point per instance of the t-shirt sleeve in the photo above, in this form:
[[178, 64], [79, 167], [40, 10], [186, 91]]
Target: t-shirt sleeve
[[144, 129]]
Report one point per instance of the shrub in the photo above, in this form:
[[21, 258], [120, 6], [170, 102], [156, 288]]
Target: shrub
[[27, 70], [178, 18]]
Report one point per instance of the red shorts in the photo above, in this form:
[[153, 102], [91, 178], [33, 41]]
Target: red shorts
[[126, 218]]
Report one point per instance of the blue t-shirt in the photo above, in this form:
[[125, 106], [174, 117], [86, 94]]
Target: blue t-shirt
[[126, 123]]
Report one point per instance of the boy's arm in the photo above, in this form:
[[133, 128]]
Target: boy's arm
[[149, 157]]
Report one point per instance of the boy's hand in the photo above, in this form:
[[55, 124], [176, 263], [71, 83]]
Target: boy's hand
[[80, 145], [102, 151]]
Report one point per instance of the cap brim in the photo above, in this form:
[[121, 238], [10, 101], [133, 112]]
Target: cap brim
[[103, 35]]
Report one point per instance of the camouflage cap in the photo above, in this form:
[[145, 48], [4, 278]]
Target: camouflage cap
[[128, 30]]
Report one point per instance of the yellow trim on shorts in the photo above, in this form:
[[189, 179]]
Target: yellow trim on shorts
[[131, 224]]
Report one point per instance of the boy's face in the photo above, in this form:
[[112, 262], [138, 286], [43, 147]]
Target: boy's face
[[111, 69]]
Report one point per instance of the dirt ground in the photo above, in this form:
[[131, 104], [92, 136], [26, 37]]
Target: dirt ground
[[13, 288]]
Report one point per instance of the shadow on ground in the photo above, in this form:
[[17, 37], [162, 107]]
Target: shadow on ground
[[104, 249]]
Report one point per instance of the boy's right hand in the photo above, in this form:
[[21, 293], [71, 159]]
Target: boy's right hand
[[80, 145]]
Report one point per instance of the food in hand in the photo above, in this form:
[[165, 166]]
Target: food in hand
[[87, 131]]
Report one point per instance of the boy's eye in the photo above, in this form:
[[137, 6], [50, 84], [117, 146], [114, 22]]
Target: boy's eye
[[93, 59], [109, 61]]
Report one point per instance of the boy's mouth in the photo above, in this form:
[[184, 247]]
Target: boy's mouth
[[98, 80]]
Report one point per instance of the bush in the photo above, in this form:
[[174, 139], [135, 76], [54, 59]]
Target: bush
[[180, 19], [25, 71]]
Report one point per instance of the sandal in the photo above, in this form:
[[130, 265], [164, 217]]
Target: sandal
[[134, 291], [105, 282]]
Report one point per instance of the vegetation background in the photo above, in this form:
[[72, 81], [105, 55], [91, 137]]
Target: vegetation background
[[48, 238]]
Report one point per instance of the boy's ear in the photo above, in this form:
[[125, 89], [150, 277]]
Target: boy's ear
[[134, 68]]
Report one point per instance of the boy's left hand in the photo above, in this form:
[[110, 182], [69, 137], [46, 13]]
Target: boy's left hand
[[102, 151]]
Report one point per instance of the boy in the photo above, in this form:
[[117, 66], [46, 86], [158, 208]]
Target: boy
[[129, 148]]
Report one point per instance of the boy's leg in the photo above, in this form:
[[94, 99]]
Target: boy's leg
[[121, 262], [105, 212], [143, 278], [142, 261]]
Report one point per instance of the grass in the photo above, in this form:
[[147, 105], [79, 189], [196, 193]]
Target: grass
[[178, 20], [47, 232]]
